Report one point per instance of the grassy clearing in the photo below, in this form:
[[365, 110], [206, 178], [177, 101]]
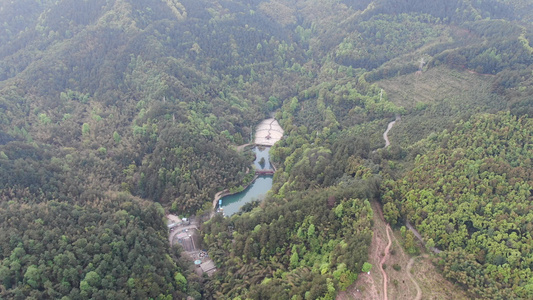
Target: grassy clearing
[[435, 99], [436, 85]]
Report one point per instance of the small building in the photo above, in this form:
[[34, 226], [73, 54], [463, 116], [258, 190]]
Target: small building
[[185, 239], [208, 267]]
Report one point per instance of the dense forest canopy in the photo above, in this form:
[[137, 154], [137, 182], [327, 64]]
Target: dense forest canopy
[[115, 111], [471, 195], [110, 248]]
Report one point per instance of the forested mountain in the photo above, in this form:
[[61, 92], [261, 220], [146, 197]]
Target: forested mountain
[[113, 111]]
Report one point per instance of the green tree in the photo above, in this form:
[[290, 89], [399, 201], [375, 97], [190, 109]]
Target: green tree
[[409, 243], [44, 119], [391, 213], [32, 276], [85, 286], [181, 281], [366, 267], [430, 244], [295, 259], [93, 279], [311, 230], [85, 129], [131, 283], [116, 137]]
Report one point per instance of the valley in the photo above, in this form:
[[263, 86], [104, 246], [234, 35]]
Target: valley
[[386, 136]]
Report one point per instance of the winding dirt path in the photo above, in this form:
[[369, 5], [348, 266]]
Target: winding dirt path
[[241, 147], [377, 208], [386, 133], [389, 127], [408, 270], [383, 259], [419, 237]]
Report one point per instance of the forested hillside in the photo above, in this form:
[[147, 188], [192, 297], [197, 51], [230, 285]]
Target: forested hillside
[[102, 249], [470, 194], [115, 111]]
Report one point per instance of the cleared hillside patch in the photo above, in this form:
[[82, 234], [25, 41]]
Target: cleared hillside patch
[[436, 98]]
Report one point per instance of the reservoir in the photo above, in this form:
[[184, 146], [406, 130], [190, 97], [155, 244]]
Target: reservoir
[[267, 133], [257, 190]]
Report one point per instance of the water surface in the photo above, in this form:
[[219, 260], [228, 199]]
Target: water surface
[[262, 152], [257, 190]]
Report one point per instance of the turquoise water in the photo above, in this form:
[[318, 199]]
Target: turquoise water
[[262, 153], [257, 190]]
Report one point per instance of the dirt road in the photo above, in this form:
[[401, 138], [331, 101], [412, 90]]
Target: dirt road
[[241, 147], [386, 256], [386, 133], [419, 237], [383, 260], [408, 270]]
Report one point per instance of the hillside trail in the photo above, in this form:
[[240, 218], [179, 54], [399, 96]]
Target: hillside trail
[[377, 209], [408, 270], [419, 237], [241, 147], [386, 133], [389, 127], [382, 261], [412, 260]]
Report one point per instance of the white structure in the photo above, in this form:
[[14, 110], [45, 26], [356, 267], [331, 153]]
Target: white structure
[[268, 132]]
